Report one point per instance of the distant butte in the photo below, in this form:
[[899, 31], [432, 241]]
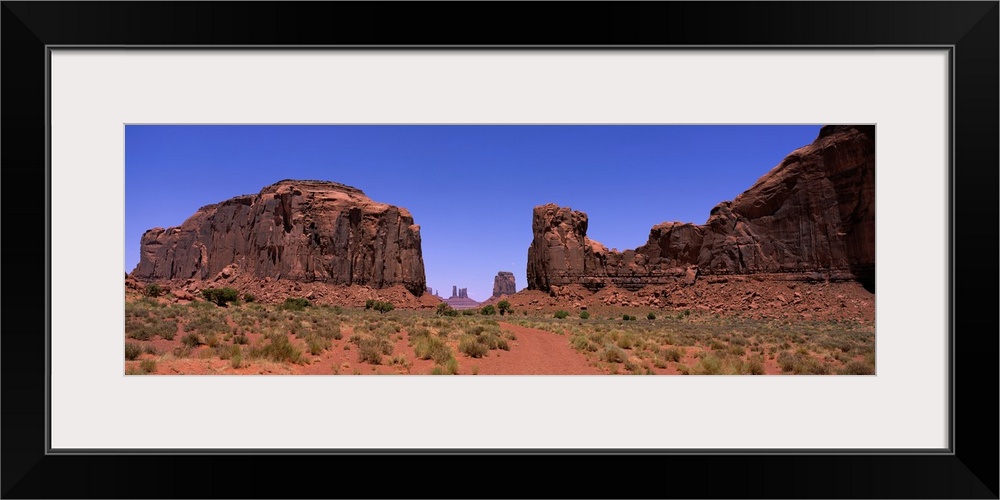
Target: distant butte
[[504, 284], [460, 299]]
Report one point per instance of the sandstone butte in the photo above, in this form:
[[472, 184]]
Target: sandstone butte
[[295, 230], [504, 284], [812, 217]]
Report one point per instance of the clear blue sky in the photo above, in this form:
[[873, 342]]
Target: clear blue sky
[[471, 188]]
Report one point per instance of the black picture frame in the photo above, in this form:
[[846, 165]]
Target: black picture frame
[[970, 29]]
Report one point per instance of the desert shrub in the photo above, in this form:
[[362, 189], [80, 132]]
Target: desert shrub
[[371, 346], [613, 354], [717, 345], [132, 350], [432, 348], [383, 306], [561, 314], [650, 316], [236, 360], [503, 307], [755, 365], [488, 310], [154, 290], [167, 330], [212, 339], [191, 340], [150, 349], [631, 318], [220, 296], [626, 341], [582, 344], [369, 304], [443, 309], [451, 366], [468, 312], [492, 340], [673, 354], [858, 368], [278, 349], [418, 332], [584, 315], [625, 317], [708, 365], [240, 339], [295, 304], [369, 350], [801, 364], [147, 366], [330, 331], [249, 297], [633, 367], [317, 344], [448, 367], [207, 322], [470, 345]]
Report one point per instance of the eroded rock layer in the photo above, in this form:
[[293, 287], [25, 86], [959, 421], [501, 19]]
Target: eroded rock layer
[[294, 230], [812, 217]]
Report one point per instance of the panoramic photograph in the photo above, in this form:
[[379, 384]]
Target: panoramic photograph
[[499, 250]]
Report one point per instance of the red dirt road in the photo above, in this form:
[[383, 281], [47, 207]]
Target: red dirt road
[[535, 352]]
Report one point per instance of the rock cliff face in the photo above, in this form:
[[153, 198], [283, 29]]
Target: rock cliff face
[[504, 284], [810, 217], [296, 230]]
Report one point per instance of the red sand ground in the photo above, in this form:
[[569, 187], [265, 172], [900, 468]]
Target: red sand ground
[[535, 351]]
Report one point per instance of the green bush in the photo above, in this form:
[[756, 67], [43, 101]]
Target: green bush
[[488, 310], [468, 312], [369, 304], [443, 309], [650, 316], [132, 350], [383, 307], [220, 296], [561, 314], [584, 315], [153, 290], [504, 307], [625, 317], [295, 304], [248, 297]]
